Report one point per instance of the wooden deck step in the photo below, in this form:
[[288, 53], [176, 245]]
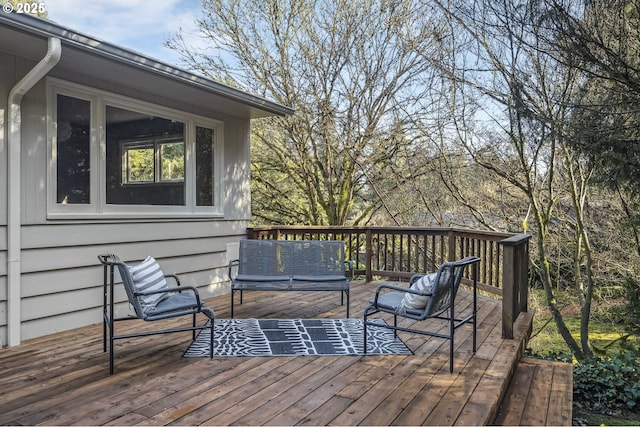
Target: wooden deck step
[[540, 393]]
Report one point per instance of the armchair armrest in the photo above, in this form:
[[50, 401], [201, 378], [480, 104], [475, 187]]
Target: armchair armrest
[[349, 265], [173, 277]]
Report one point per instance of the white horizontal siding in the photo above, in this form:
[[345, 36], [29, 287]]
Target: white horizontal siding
[[198, 270], [80, 234], [66, 257], [61, 281]]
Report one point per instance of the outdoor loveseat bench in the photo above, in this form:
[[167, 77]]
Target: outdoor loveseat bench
[[290, 265]]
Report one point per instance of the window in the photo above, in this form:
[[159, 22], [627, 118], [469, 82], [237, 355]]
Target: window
[[116, 156], [73, 150], [152, 161], [171, 160], [138, 163], [204, 166]]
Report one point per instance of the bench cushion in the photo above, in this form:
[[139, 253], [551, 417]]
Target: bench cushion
[[320, 278], [261, 278]]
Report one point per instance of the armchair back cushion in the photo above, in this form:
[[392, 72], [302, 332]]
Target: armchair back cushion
[[427, 285], [147, 276], [423, 285]]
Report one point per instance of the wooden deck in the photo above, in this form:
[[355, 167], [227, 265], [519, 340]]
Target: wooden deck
[[539, 394], [63, 379]]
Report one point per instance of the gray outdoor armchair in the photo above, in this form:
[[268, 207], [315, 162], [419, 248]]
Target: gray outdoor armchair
[[152, 299], [429, 296]]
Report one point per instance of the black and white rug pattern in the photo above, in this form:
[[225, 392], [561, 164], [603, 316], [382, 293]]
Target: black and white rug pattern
[[295, 337]]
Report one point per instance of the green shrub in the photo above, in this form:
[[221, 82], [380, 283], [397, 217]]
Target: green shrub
[[608, 385], [632, 296]]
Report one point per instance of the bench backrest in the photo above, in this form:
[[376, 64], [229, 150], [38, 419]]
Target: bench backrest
[[317, 257], [291, 257]]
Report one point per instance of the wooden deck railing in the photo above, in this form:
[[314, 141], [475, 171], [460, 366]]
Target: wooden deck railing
[[399, 252]]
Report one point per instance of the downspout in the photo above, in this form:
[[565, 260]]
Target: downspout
[[14, 201]]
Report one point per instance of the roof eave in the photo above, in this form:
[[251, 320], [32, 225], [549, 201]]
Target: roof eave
[[259, 107]]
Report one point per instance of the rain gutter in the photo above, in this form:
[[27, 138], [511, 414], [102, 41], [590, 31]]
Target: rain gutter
[[14, 200]]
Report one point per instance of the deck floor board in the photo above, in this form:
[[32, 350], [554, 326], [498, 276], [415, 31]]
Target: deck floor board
[[63, 379]]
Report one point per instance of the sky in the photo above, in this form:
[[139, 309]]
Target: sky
[[139, 25]]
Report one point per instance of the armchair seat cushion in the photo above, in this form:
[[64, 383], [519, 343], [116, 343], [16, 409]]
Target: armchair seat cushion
[[175, 302], [147, 276], [389, 301]]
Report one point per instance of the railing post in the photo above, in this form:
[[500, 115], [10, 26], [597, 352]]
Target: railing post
[[368, 255], [508, 291], [451, 253], [523, 272], [515, 263]]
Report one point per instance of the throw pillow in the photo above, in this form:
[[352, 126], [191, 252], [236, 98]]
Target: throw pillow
[[424, 285], [147, 276]]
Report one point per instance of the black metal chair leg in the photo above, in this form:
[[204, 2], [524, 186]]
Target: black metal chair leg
[[395, 326], [364, 325], [232, 295], [193, 333], [348, 302], [211, 340], [111, 342]]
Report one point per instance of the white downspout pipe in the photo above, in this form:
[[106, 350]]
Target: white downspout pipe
[[14, 201]]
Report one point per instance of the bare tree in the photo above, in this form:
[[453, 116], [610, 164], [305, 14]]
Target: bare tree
[[502, 75], [353, 70], [601, 39]]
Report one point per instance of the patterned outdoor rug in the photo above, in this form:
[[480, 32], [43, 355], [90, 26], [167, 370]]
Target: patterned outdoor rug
[[294, 337]]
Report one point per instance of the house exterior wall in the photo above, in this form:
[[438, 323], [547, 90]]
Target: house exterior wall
[[5, 66], [61, 282]]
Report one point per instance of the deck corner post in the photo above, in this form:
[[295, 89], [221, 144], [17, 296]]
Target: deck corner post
[[514, 280]]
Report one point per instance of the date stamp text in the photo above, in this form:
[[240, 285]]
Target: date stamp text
[[30, 8]]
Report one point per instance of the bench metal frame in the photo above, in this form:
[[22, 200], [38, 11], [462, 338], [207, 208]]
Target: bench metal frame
[[290, 265]]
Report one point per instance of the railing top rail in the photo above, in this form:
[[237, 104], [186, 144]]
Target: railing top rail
[[516, 239], [391, 229]]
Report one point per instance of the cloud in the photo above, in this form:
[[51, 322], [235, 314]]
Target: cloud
[[140, 25]]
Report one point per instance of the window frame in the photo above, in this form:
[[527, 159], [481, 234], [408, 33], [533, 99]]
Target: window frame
[[97, 207], [156, 145], [128, 146]]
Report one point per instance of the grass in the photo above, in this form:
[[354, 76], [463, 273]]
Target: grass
[[606, 335], [605, 331]]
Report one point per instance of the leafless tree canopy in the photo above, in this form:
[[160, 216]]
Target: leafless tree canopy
[[499, 114], [355, 73]]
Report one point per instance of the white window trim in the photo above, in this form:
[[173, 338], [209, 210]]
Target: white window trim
[[154, 144], [97, 207]]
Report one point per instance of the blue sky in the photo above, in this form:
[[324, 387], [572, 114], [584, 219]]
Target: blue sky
[[140, 25]]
